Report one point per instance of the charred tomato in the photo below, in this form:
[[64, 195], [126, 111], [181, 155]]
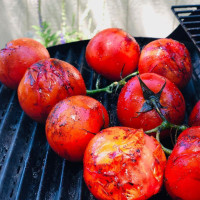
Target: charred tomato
[[194, 118], [182, 173], [45, 83], [16, 57], [168, 58], [135, 108], [72, 123], [123, 163], [113, 53]]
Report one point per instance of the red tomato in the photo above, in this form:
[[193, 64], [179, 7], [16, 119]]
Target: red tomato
[[131, 103], [182, 173], [194, 118], [18, 55], [72, 123], [123, 163], [112, 51], [45, 83], [168, 58]]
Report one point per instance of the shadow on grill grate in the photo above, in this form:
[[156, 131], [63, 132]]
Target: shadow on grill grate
[[29, 169]]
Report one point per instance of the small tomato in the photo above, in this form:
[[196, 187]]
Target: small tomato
[[16, 57], [182, 173], [168, 58], [45, 83], [72, 123], [113, 53], [194, 118]]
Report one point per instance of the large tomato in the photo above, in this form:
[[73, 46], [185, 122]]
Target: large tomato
[[113, 52], [16, 57], [123, 163], [133, 110], [45, 83], [194, 118], [72, 123], [182, 173], [168, 58]]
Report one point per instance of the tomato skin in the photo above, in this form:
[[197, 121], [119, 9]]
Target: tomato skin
[[72, 123], [131, 100], [123, 163], [16, 57], [112, 51], [45, 83], [182, 173], [194, 118], [168, 58]]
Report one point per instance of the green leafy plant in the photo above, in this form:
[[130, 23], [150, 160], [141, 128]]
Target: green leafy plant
[[47, 38], [65, 34]]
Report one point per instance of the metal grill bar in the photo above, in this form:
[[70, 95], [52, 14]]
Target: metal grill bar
[[4, 168], [25, 163], [43, 173], [194, 29], [187, 11], [189, 22], [189, 17], [186, 6]]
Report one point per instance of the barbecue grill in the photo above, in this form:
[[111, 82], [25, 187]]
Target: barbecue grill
[[29, 169]]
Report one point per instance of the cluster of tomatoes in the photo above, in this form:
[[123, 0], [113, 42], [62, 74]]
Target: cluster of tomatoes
[[123, 162]]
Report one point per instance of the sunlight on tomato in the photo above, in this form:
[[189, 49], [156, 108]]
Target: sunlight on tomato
[[123, 163]]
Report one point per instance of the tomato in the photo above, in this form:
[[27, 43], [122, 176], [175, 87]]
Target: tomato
[[113, 52], [194, 118], [16, 57], [182, 173], [168, 58], [133, 110], [45, 83], [72, 123], [123, 163]]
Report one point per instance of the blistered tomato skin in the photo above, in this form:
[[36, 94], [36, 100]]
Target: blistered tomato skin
[[113, 52], [16, 57], [45, 83], [72, 123], [123, 163], [168, 58], [182, 173], [131, 101], [194, 118]]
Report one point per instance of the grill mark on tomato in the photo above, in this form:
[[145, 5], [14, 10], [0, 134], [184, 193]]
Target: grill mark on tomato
[[32, 81], [63, 76], [173, 58]]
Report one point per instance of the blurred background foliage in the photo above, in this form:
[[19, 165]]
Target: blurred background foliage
[[67, 33], [59, 21]]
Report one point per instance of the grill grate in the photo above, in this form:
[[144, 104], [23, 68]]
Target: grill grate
[[189, 18], [29, 169]]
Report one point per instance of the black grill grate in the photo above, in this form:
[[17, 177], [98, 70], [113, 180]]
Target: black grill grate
[[29, 169], [189, 18]]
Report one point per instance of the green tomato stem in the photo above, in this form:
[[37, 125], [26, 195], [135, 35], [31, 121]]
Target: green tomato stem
[[115, 85], [166, 150], [163, 126]]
